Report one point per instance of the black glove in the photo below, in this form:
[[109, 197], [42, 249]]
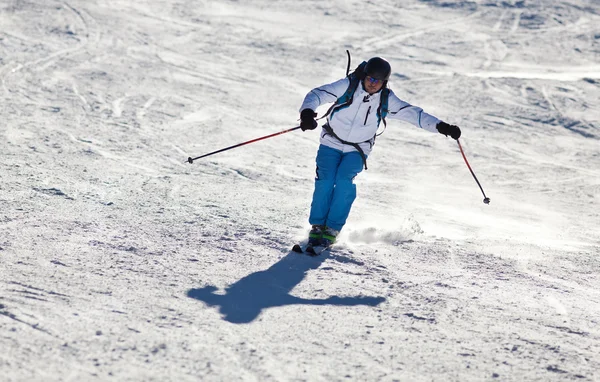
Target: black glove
[[446, 129], [307, 120]]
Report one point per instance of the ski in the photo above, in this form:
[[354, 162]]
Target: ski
[[312, 251], [309, 250]]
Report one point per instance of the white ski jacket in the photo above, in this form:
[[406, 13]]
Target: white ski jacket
[[358, 122]]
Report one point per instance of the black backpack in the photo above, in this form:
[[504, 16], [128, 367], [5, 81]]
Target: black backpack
[[345, 99]]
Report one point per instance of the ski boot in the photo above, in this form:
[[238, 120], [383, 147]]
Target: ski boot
[[329, 236], [315, 235]]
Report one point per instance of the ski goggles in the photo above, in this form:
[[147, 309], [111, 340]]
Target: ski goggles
[[373, 81]]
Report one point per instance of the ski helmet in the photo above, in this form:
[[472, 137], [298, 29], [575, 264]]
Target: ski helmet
[[378, 68]]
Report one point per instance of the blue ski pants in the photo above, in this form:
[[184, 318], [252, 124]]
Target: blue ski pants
[[335, 190]]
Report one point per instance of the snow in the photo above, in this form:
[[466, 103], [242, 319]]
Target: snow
[[120, 261]]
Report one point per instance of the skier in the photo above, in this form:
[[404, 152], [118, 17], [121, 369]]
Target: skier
[[362, 100]]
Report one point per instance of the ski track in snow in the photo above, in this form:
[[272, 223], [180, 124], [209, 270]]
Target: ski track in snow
[[120, 261]]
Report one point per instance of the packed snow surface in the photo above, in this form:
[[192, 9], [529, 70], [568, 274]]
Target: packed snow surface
[[119, 261]]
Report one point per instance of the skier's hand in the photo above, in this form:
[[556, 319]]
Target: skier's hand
[[446, 129], [307, 120]]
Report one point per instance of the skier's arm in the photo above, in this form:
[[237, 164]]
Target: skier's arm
[[324, 94], [398, 109], [404, 111]]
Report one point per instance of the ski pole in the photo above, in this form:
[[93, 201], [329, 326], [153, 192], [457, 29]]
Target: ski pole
[[191, 160], [486, 200]]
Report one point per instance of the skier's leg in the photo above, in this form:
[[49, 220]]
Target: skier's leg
[[345, 190], [328, 160]]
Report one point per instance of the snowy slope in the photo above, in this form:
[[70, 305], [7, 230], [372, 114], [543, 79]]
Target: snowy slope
[[119, 261]]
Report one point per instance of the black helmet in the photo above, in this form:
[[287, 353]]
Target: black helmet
[[378, 68]]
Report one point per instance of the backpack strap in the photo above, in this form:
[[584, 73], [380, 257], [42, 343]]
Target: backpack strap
[[349, 61], [345, 99], [329, 131], [382, 110]]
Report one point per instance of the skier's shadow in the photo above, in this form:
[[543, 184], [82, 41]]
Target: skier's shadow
[[244, 300]]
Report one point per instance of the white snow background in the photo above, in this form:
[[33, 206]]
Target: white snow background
[[119, 261]]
